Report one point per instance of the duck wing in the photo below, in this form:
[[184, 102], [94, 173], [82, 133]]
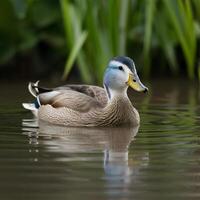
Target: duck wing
[[96, 92], [81, 98]]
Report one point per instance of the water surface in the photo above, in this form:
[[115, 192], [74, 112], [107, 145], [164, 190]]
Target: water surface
[[158, 160]]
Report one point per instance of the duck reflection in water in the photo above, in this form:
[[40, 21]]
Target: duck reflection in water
[[116, 153], [114, 142]]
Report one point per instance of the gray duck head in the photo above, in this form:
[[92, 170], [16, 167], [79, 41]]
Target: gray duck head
[[120, 74]]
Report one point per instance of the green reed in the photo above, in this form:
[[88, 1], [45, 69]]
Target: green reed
[[160, 35], [98, 30]]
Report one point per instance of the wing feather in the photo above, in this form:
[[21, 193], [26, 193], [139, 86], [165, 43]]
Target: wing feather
[[95, 92], [81, 98]]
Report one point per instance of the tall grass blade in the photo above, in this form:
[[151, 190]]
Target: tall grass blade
[[113, 14], [75, 38], [83, 66], [74, 53], [149, 14], [123, 26], [66, 10], [181, 32], [166, 39]]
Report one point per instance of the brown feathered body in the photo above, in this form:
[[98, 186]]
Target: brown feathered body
[[84, 105]]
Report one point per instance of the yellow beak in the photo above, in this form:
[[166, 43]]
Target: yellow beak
[[136, 84]]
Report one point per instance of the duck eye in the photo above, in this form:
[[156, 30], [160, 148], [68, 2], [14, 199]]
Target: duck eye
[[120, 68]]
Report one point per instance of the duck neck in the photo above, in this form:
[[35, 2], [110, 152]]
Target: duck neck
[[119, 108], [116, 94]]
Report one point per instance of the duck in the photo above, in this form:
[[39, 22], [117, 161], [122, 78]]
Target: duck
[[78, 105]]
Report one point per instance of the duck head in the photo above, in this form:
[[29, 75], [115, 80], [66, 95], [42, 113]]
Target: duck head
[[119, 75]]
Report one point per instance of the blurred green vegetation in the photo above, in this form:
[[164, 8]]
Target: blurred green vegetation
[[31, 37], [162, 36]]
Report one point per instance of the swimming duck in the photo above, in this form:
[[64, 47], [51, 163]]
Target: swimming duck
[[88, 105]]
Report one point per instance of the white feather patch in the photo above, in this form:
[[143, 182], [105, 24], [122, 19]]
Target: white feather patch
[[31, 107]]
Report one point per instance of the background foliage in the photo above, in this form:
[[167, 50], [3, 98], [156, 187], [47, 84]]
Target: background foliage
[[162, 36]]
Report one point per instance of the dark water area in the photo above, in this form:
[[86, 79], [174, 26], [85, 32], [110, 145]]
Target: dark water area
[[158, 160]]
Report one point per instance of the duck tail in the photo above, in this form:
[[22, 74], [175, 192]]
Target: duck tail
[[36, 91], [33, 107], [33, 88]]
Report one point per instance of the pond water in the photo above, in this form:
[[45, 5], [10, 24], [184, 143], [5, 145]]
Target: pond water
[[160, 160]]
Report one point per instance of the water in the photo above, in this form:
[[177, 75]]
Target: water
[[161, 160]]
